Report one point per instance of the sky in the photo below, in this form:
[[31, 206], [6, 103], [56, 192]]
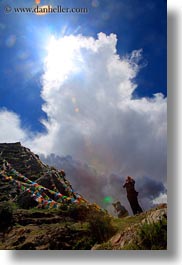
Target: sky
[[91, 86]]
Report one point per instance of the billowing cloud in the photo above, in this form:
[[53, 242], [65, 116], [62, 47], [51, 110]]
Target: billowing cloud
[[87, 90]]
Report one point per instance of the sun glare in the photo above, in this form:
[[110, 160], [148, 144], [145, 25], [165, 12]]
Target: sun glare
[[61, 57]]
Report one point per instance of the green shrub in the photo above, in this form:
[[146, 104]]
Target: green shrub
[[78, 212], [100, 227], [150, 236], [154, 236]]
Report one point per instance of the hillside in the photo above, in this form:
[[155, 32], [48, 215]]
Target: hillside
[[40, 210], [26, 180]]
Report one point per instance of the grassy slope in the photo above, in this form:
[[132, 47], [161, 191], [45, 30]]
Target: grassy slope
[[139, 232], [67, 228], [80, 227]]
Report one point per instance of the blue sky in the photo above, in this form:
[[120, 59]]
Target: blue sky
[[89, 87], [138, 24]]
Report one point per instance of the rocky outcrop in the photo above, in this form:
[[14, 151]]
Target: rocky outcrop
[[27, 181], [157, 215], [42, 209], [22, 160]]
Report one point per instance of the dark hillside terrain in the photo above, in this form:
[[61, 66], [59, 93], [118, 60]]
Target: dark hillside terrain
[[39, 210]]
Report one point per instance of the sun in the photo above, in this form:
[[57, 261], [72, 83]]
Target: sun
[[62, 57]]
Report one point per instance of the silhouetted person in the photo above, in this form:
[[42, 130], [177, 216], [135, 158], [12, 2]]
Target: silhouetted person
[[132, 195]]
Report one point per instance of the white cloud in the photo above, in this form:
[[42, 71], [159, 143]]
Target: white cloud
[[161, 199], [10, 125], [87, 89], [91, 113]]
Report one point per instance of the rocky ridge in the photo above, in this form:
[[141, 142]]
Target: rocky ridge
[[27, 181]]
